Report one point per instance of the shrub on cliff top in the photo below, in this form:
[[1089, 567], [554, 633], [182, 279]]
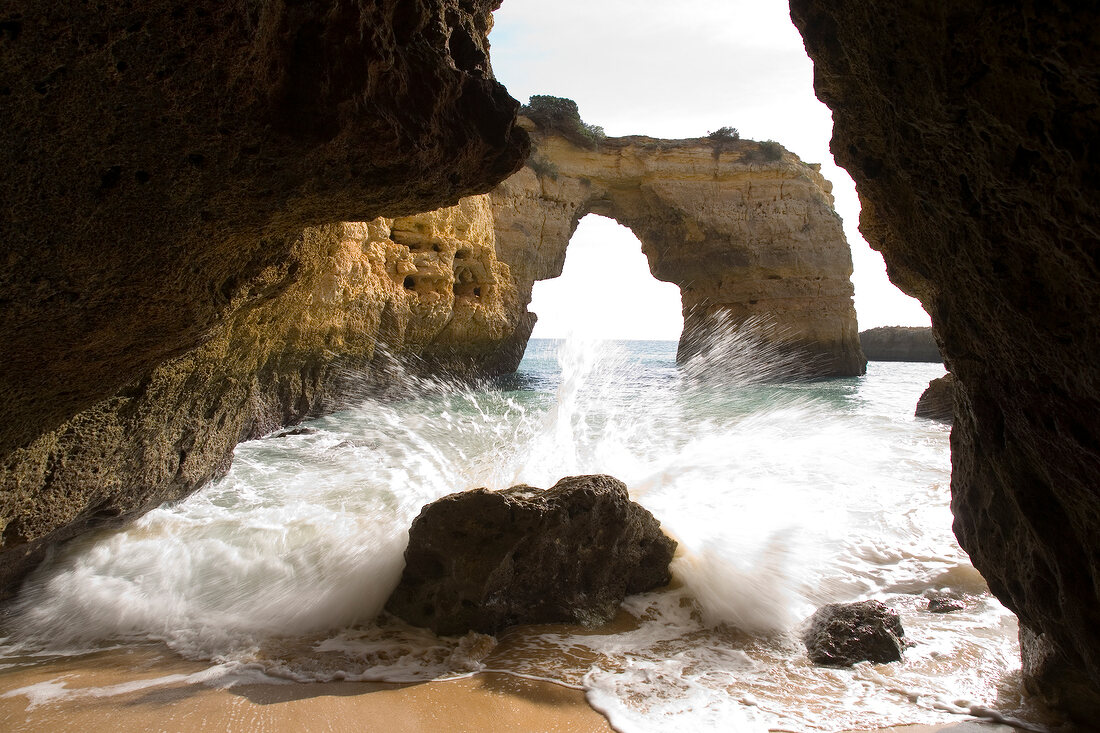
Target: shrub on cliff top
[[724, 133], [723, 139], [558, 114], [768, 151]]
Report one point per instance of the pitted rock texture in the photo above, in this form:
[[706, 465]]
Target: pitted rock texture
[[970, 129], [159, 158], [900, 343], [485, 560], [741, 235], [335, 319], [937, 402], [1047, 676], [843, 634], [160, 163]]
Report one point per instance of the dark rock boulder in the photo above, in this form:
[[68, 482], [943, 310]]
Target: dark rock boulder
[[484, 560], [937, 402], [900, 343], [842, 634], [970, 130]]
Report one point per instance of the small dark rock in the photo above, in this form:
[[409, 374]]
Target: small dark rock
[[485, 560], [944, 603], [938, 401], [841, 634], [295, 431]]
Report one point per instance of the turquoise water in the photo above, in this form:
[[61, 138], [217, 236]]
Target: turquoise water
[[782, 494]]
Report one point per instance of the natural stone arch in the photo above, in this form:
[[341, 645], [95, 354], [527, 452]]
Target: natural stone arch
[[738, 233], [606, 289]]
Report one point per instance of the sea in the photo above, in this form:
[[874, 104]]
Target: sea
[[783, 493]]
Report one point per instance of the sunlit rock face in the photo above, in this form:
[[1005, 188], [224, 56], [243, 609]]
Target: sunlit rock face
[[742, 232], [365, 295], [160, 162], [970, 130]]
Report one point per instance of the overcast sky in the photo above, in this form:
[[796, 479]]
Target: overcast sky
[[664, 69]]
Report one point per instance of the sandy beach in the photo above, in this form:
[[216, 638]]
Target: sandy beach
[[136, 690]]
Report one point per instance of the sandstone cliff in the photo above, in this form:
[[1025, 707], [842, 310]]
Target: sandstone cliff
[[900, 343], [351, 299], [970, 129], [742, 231]]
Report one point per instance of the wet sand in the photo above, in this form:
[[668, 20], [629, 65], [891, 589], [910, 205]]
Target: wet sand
[[99, 695], [485, 702]]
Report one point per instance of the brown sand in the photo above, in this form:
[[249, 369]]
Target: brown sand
[[486, 703]]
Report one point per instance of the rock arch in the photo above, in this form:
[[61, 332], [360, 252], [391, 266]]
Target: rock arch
[[737, 232]]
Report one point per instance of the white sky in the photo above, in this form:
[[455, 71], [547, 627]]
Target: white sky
[[651, 67]]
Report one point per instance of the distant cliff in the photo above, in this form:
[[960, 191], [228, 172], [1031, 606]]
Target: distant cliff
[[900, 343]]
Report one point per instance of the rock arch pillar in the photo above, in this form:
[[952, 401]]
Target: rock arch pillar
[[738, 233]]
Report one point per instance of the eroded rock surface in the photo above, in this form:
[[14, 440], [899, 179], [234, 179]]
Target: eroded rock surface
[[160, 162], [159, 158], [746, 230], [970, 129], [937, 402], [485, 560], [900, 343], [843, 634], [364, 295]]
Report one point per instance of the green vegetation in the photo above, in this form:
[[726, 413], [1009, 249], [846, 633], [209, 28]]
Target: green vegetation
[[771, 151], [768, 151], [543, 168], [724, 133], [561, 115], [723, 139]]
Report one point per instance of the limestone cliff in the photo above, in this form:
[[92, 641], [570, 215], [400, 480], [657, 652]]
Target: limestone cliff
[[742, 229], [971, 131], [326, 325], [900, 343]]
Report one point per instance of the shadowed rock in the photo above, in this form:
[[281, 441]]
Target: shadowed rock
[[842, 634], [939, 602], [970, 130], [168, 171], [1047, 676], [485, 560], [937, 402]]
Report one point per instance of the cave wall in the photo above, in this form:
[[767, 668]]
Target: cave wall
[[744, 234], [158, 158], [971, 130], [169, 174]]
